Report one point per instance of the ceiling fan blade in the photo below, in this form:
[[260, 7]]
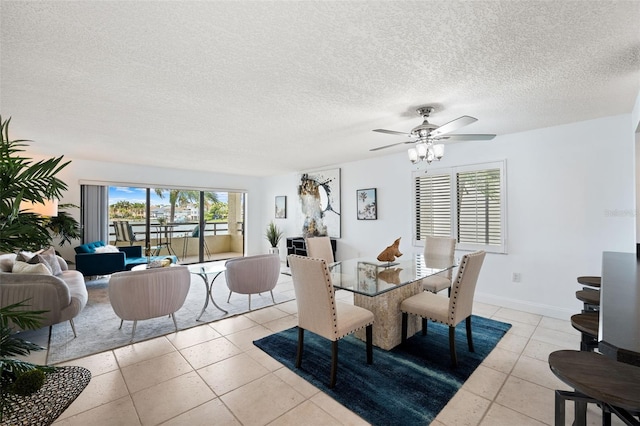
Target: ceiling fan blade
[[470, 137], [391, 132], [465, 120], [389, 146]]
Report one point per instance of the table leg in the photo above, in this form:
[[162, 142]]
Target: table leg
[[208, 287]]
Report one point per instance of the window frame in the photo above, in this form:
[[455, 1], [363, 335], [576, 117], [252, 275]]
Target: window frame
[[453, 179]]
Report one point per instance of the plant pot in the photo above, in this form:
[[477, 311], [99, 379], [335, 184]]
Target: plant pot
[[274, 250]]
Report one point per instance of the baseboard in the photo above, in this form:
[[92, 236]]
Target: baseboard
[[525, 306]]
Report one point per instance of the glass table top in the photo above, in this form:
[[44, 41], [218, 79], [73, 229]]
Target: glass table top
[[207, 269], [370, 277]]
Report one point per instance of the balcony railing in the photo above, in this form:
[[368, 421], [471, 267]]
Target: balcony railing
[[178, 229]]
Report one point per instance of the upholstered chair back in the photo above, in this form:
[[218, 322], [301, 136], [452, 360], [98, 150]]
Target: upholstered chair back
[[320, 248], [464, 287], [314, 295], [440, 249]]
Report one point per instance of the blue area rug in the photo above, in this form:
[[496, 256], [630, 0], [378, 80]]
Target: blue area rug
[[408, 385]]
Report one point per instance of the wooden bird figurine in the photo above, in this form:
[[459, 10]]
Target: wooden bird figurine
[[389, 254]]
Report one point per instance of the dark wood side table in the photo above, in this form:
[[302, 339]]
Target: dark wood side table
[[614, 385]]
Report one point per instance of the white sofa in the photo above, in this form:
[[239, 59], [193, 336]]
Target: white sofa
[[63, 296]]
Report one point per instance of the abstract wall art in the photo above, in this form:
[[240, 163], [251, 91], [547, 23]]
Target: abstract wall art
[[319, 203]]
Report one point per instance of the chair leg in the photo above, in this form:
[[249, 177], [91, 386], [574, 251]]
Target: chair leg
[[469, 335], [405, 319], [249, 302], [121, 322], [133, 331], [185, 240], [73, 328], [424, 326], [175, 324], [370, 344], [229, 298], [452, 345], [300, 345], [334, 363], [274, 300]]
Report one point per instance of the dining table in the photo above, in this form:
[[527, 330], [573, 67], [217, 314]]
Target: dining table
[[381, 287]]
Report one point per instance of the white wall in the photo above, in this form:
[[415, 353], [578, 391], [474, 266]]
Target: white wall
[[570, 195]]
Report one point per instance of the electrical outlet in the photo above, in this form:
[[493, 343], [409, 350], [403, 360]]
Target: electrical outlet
[[516, 277]]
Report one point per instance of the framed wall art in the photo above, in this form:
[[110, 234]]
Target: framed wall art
[[319, 203], [281, 207], [367, 204]]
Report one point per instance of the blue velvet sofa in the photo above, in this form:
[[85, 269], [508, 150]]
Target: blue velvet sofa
[[89, 263]]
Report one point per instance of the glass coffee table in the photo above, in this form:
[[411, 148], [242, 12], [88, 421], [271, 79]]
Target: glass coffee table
[[208, 273]]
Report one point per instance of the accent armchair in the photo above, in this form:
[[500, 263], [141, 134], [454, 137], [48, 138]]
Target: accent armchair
[[149, 293], [252, 275]]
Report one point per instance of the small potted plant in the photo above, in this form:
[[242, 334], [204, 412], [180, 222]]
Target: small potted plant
[[273, 235]]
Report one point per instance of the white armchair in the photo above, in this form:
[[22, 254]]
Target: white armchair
[[252, 275], [150, 293]]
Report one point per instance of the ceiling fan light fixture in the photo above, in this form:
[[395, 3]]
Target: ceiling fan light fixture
[[426, 134], [438, 151], [422, 150], [413, 155]]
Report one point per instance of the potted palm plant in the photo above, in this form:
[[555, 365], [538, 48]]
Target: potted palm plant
[[273, 235]]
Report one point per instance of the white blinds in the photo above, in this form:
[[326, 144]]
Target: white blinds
[[478, 207], [433, 206], [465, 202]]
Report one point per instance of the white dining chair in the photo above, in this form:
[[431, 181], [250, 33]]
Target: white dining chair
[[439, 250], [319, 312], [448, 310], [320, 248]]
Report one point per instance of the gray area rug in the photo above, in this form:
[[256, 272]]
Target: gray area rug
[[97, 325]]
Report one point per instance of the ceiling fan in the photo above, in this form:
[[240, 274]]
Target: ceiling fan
[[424, 136]]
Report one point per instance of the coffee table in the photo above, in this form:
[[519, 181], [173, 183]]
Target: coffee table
[[204, 272]]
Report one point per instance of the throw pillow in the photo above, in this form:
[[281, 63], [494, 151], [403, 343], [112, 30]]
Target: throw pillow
[[25, 256], [6, 262], [51, 259], [107, 249], [39, 259], [20, 267]]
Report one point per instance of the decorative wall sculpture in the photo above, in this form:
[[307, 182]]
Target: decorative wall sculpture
[[319, 196]]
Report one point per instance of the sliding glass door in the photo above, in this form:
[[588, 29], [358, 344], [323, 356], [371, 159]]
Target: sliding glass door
[[196, 226]]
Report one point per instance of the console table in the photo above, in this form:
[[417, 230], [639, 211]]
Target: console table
[[297, 245]]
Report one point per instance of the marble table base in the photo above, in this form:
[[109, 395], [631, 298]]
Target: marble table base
[[387, 326]]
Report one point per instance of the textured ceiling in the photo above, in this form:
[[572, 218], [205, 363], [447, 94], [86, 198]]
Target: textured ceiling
[[263, 88]]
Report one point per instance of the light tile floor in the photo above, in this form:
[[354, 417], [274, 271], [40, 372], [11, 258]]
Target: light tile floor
[[213, 374]]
